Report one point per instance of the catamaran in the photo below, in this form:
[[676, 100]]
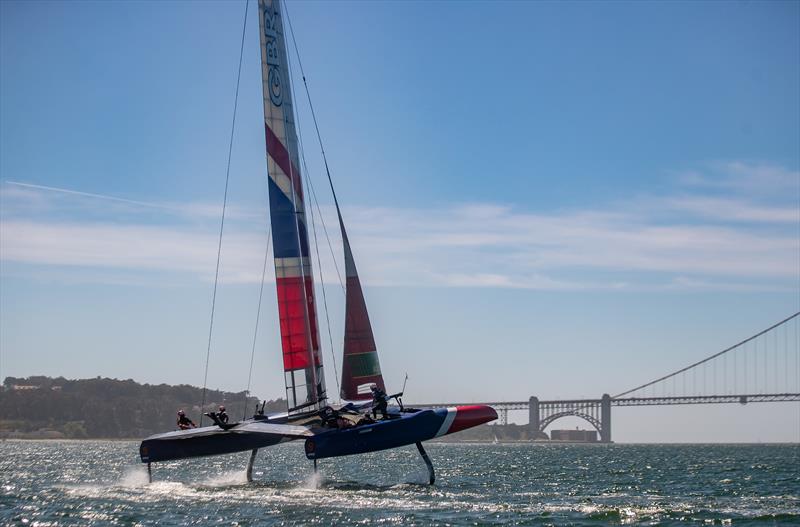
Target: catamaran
[[328, 430]]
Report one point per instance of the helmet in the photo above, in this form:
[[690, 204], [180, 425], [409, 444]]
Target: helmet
[[221, 408], [180, 412]]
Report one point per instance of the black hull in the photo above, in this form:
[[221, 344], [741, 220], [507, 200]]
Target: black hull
[[207, 441]]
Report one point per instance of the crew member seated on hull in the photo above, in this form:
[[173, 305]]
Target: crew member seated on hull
[[220, 418], [328, 416], [379, 402], [342, 418], [184, 423]]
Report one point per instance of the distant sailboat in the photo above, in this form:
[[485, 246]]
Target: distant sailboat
[[328, 431]]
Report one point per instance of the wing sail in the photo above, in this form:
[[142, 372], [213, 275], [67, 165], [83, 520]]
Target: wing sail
[[302, 360]]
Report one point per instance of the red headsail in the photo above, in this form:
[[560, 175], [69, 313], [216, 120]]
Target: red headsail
[[360, 365]]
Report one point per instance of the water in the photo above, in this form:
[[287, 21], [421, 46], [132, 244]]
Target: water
[[102, 483]]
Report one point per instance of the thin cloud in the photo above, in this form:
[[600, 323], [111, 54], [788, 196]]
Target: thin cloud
[[685, 241], [739, 177], [730, 209], [92, 195], [52, 199]]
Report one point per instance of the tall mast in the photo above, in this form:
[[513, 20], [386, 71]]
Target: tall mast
[[302, 360]]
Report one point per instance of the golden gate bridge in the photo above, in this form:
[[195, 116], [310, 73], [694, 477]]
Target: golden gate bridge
[[763, 368]]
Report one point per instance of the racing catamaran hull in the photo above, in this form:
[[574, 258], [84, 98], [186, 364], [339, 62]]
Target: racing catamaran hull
[[403, 428], [406, 428], [213, 440]]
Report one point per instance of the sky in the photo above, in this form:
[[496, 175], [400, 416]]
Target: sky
[[560, 199]]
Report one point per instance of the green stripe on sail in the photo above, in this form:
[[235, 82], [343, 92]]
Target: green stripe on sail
[[363, 364]]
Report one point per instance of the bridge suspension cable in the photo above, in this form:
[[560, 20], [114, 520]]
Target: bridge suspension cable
[[742, 344]]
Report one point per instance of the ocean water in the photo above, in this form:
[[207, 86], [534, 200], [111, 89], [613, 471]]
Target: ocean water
[[102, 483]]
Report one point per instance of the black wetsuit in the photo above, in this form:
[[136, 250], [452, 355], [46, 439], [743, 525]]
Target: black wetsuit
[[379, 404], [184, 423], [223, 417]]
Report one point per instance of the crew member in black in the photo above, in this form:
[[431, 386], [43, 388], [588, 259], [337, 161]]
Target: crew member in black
[[222, 415], [184, 423], [329, 416], [379, 402]]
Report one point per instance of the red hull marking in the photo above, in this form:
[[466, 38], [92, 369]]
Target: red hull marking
[[279, 153], [473, 415], [294, 339]]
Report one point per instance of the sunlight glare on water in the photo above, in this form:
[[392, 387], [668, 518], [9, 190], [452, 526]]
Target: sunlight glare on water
[[102, 483]]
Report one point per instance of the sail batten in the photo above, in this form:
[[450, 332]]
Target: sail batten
[[302, 360]]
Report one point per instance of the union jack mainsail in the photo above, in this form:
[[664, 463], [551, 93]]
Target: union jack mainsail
[[302, 360]]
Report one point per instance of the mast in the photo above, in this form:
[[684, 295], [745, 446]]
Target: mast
[[302, 360]]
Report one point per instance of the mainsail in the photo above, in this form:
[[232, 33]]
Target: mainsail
[[360, 365], [302, 360]]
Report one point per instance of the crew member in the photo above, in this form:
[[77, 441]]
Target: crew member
[[329, 417], [184, 423], [379, 402], [222, 415]]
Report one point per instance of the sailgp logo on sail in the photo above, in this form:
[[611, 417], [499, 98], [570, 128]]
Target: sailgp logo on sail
[[274, 81]]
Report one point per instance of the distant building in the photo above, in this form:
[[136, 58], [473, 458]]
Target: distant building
[[588, 436], [24, 387]]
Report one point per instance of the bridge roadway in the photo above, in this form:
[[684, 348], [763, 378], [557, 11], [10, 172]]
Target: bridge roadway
[[597, 412], [637, 401]]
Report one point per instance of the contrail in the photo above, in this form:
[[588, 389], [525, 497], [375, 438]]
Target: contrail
[[86, 194]]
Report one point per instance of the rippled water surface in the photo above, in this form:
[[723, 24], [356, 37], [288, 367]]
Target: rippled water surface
[[101, 483]]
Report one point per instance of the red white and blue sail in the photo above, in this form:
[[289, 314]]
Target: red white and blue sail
[[302, 360]]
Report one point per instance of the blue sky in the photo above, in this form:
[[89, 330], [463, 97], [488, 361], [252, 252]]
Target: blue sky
[[553, 199]]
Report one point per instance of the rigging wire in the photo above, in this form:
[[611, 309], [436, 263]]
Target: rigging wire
[[324, 227], [224, 205], [313, 225], [313, 115], [319, 139], [322, 280], [258, 318]]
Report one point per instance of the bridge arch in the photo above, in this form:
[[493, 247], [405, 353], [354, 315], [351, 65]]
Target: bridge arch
[[571, 413]]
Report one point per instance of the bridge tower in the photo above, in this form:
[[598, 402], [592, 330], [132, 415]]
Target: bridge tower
[[533, 415], [596, 411], [605, 418]]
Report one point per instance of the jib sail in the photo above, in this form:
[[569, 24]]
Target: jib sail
[[360, 365]]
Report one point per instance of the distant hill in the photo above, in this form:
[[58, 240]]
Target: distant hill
[[52, 408], [44, 407]]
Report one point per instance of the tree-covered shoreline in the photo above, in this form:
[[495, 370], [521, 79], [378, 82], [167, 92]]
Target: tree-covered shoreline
[[40, 407]]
